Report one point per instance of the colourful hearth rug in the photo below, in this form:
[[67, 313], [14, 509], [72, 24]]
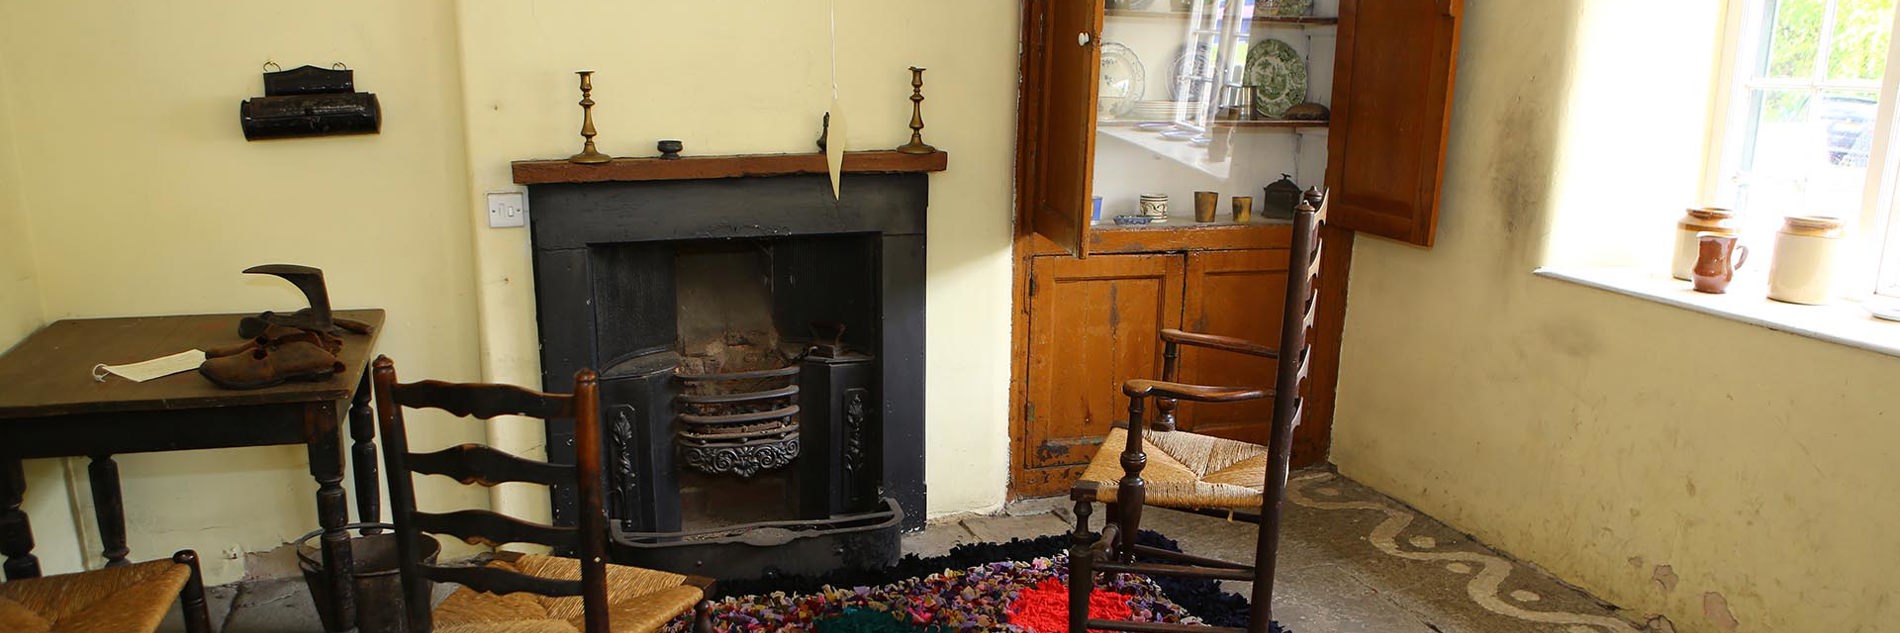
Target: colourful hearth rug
[[1019, 586]]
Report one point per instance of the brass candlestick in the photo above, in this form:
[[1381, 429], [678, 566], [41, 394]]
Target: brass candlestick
[[588, 155], [916, 144]]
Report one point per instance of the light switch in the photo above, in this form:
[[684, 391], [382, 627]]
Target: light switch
[[507, 209]]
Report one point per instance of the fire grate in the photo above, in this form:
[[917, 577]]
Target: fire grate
[[740, 423]]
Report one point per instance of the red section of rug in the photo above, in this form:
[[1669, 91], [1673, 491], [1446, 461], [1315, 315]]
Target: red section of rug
[[1045, 607]]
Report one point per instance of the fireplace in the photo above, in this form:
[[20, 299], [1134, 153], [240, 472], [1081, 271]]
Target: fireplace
[[760, 348]]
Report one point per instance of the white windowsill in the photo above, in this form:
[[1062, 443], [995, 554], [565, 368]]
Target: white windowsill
[[1845, 322]]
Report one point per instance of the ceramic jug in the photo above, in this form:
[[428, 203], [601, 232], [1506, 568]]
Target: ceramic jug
[[1717, 259]]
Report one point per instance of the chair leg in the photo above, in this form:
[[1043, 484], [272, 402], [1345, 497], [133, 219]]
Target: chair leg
[[702, 617], [1081, 568], [191, 599]]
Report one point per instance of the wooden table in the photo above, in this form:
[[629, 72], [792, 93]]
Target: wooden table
[[50, 406]]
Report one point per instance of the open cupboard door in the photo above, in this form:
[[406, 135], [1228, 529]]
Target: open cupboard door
[[1391, 107], [1059, 91]]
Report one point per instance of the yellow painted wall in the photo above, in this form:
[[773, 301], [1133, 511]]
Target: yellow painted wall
[[142, 197], [1596, 435], [745, 76]]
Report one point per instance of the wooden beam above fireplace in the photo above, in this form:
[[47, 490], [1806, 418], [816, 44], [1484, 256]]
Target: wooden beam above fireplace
[[542, 172]]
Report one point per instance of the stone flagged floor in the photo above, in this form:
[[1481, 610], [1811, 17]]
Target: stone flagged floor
[[1351, 561]]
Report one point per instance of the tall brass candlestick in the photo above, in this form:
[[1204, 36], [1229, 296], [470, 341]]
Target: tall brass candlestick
[[588, 155], [916, 144]]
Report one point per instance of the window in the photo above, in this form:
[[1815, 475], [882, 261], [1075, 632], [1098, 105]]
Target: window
[[1805, 122]]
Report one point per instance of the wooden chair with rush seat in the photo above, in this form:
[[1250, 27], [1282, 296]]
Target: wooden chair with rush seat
[[129, 598], [1198, 472], [519, 593]]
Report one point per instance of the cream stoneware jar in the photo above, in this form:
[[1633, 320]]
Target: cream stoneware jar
[[1807, 252], [1710, 219]]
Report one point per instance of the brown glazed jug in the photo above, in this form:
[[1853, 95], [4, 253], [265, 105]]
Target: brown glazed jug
[[1716, 262]]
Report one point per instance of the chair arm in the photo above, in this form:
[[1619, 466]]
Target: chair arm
[[1140, 388], [1224, 343]]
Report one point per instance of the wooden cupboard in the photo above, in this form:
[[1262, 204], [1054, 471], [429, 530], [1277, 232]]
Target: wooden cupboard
[[1091, 297]]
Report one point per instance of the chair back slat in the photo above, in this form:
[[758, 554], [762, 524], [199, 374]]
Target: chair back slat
[[484, 401], [474, 464], [501, 581], [494, 529]]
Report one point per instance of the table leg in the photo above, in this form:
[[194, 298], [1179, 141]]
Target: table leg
[[16, 535], [326, 465], [369, 503], [108, 506]]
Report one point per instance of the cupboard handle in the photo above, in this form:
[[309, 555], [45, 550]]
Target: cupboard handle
[[1082, 39]]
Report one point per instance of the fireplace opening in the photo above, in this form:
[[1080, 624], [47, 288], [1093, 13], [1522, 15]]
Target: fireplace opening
[[760, 347]]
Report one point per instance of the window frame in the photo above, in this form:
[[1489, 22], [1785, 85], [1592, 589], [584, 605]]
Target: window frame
[[1873, 236]]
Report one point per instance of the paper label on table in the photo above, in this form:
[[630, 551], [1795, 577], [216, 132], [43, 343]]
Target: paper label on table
[[834, 146], [156, 368]]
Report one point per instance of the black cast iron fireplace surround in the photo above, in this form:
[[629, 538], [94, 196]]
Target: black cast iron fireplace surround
[[604, 258]]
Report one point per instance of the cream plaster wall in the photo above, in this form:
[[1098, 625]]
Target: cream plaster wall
[[745, 76], [142, 197], [1596, 435]]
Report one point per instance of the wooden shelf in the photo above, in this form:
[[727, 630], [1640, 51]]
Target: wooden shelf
[[1182, 17], [1266, 123], [542, 172]]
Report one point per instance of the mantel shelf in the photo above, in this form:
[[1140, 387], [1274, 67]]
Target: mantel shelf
[[543, 172]]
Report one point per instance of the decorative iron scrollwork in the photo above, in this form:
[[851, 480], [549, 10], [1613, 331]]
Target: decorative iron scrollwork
[[744, 460], [625, 477], [854, 412]]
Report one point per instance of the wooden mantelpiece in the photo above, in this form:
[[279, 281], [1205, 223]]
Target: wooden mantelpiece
[[542, 172]]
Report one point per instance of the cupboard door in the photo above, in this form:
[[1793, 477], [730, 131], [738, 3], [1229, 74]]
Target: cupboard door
[[1093, 324], [1391, 106], [1239, 294], [1061, 78]]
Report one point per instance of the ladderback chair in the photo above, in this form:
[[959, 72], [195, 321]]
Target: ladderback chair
[[518, 593], [1200, 472], [123, 598]]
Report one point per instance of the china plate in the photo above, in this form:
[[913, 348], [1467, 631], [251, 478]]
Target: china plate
[[1887, 310], [1177, 135], [1154, 126], [1282, 8], [1278, 76], [1123, 80], [1190, 67]]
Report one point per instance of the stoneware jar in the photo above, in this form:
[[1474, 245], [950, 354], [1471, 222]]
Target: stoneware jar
[[1704, 219], [1807, 249], [1155, 206], [1717, 258]]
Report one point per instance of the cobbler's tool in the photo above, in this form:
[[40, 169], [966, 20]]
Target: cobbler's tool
[[310, 281]]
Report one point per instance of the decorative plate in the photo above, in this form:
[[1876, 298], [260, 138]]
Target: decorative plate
[[1282, 8], [1123, 81], [1190, 66], [1887, 310], [1278, 76]]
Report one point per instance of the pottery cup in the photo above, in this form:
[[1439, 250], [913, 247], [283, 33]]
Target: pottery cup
[[1718, 257]]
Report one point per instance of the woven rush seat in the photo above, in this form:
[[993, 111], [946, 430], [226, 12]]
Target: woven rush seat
[[638, 599], [125, 599], [1186, 470]]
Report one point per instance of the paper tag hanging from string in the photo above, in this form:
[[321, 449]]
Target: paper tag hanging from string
[[156, 368], [834, 147]]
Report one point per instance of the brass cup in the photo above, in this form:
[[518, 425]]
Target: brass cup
[[1243, 209], [1204, 202]]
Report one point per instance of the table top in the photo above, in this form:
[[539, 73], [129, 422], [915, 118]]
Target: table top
[[50, 373]]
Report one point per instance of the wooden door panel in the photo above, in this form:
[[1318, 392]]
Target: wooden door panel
[[1391, 109], [1062, 145], [1239, 294], [1093, 324]]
